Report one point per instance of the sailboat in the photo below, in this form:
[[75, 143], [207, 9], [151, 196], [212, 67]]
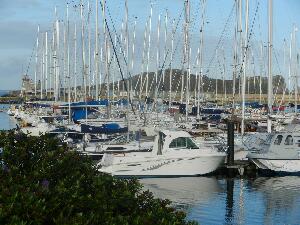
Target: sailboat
[[280, 152]]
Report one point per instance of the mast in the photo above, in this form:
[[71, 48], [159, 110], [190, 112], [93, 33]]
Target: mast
[[43, 67], [133, 53], [235, 55], [270, 80], [143, 62], [284, 65], [184, 50], [57, 75], [127, 57], [245, 67], [46, 63], [97, 52], [240, 25], [290, 65], [157, 61], [201, 57], [114, 71], [75, 62], [54, 60], [106, 55], [171, 60], [197, 78], [89, 66], [261, 72], [216, 83], [187, 55], [149, 48], [83, 59], [224, 78], [36, 61], [50, 67], [296, 63], [165, 53], [65, 62], [68, 62], [106, 58]]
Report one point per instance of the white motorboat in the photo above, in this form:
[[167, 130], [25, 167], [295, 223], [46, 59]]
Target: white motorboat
[[279, 153], [41, 128], [174, 154]]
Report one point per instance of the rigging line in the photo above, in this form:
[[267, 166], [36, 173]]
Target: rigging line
[[124, 58], [280, 73], [118, 39], [221, 37], [106, 74], [248, 40], [122, 53], [168, 51], [178, 80], [30, 59], [203, 22], [219, 42], [119, 65]]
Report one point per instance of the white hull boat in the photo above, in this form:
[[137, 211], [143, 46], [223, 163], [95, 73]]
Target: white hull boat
[[281, 153], [40, 129], [174, 154], [285, 165]]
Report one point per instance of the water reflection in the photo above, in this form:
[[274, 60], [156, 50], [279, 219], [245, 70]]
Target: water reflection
[[229, 201], [264, 200], [185, 191], [281, 197]]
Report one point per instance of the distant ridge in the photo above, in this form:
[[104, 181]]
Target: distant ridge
[[209, 84]]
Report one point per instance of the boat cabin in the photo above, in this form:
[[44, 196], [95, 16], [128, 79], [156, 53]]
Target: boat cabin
[[285, 145], [167, 141]]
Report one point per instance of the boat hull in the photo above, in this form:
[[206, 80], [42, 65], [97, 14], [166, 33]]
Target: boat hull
[[278, 165], [164, 166]]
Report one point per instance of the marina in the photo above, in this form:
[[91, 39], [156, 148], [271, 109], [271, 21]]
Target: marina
[[223, 200], [219, 199], [209, 122]]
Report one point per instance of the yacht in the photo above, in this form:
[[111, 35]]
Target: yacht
[[280, 152], [174, 153]]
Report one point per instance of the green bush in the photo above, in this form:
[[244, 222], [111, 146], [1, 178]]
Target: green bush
[[42, 182]]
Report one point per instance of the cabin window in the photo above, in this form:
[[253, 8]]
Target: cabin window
[[178, 143], [289, 140], [183, 142], [278, 140], [190, 144]]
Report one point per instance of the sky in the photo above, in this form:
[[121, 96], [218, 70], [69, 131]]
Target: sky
[[19, 20]]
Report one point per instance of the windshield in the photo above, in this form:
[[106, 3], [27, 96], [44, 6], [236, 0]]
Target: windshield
[[183, 142]]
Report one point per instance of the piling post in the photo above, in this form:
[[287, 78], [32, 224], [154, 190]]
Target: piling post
[[230, 143], [229, 199]]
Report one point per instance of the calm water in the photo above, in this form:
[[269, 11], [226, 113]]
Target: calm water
[[6, 122], [264, 200], [208, 200]]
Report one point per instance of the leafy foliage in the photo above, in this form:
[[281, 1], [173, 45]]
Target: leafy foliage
[[42, 182]]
